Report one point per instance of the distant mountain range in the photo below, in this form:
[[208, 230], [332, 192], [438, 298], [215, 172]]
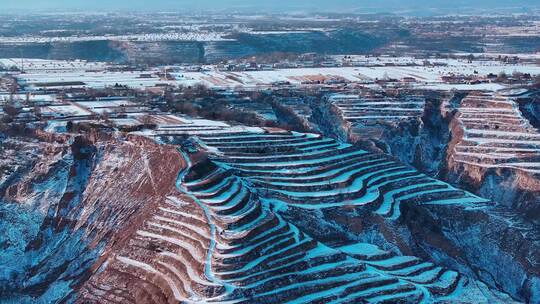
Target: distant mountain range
[[459, 6]]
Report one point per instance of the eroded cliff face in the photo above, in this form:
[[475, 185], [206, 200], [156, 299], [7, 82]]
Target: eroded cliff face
[[68, 201], [493, 151], [414, 131], [513, 188], [484, 143], [530, 108]]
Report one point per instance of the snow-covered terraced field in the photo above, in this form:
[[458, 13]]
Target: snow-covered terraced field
[[112, 106], [496, 135], [254, 183], [166, 255], [371, 110], [198, 126], [309, 171], [259, 257], [423, 75], [171, 36], [51, 66], [89, 79], [221, 224]]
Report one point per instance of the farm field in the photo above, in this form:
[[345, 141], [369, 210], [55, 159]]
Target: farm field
[[424, 77]]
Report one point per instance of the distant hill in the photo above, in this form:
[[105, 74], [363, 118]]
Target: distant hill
[[292, 5]]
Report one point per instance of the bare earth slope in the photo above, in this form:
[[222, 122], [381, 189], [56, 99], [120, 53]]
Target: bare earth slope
[[496, 151], [73, 207], [247, 215]]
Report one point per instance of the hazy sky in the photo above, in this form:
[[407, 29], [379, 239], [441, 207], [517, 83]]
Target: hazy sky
[[280, 5]]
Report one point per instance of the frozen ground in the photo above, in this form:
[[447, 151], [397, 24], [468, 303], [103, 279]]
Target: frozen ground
[[94, 75], [65, 110], [51, 66], [172, 36]]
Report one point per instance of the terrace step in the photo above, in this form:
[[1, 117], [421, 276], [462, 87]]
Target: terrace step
[[264, 259], [496, 135]]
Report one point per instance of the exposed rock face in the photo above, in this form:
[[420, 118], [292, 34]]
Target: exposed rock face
[[482, 143], [494, 151], [530, 108], [498, 236], [72, 206], [410, 128], [295, 112]]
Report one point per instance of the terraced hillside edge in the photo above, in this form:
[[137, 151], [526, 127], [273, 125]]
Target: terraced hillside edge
[[409, 127], [68, 204], [481, 142], [208, 212], [356, 196], [495, 151]]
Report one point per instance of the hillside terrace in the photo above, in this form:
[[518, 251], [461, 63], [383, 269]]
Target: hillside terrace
[[496, 135], [254, 172]]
